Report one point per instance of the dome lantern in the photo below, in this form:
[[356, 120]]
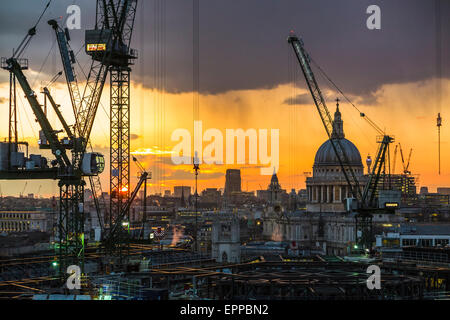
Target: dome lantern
[[326, 155]]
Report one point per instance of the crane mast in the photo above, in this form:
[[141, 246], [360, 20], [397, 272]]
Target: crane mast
[[109, 46], [117, 21]]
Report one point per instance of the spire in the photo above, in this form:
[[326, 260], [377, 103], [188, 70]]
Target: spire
[[274, 179], [274, 183], [338, 124]]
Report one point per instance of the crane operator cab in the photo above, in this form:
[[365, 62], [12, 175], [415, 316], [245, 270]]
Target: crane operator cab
[[93, 164]]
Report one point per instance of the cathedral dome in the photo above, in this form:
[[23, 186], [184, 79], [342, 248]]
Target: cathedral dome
[[326, 155]]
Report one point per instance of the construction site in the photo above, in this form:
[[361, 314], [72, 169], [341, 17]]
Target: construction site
[[92, 241]]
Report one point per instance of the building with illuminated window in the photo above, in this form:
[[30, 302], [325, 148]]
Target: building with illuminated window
[[25, 221], [424, 243], [420, 235]]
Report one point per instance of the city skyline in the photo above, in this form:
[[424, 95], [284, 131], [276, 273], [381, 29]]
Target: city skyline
[[392, 94], [224, 151]]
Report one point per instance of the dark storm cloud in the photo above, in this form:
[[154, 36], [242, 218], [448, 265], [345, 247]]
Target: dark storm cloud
[[368, 99], [329, 96], [303, 98], [18, 16], [243, 43]]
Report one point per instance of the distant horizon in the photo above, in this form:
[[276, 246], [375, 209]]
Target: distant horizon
[[380, 71], [46, 196]]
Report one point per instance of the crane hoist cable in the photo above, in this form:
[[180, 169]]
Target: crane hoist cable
[[26, 40], [54, 79], [85, 75], [43, 63], [362, 114], [355, 123]]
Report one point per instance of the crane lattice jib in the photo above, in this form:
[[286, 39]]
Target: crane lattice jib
[[57, 149], [127, 21], [75, 97], [117, 225], [374, 177], [58, 112], [69, 71], [96, 78], [325, 116]]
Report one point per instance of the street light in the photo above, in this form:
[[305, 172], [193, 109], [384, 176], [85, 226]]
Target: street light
[[196, 161]]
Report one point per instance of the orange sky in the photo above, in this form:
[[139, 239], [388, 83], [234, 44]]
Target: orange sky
[[407, 111]]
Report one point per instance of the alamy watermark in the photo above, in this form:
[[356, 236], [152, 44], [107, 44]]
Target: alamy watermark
[[220, 151], [74, 280], [74, 18], [374, 281], [374, 20]]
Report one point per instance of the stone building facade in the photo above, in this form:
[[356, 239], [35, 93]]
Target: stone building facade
[[225, 238]]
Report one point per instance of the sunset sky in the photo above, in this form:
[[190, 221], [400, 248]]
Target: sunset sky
[[399, 76]]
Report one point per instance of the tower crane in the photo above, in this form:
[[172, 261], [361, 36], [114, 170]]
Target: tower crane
[[68, 60], [395, 159], [407, 171], [108, 44], [70, 171], [405, 164], [363, 201]]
